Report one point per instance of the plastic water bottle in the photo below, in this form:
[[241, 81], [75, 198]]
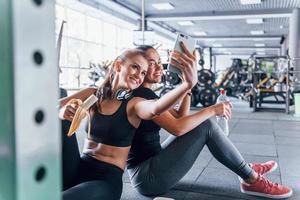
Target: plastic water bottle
[[221, 120]]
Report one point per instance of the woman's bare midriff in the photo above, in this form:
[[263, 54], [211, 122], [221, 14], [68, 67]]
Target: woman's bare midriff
[[107, 153]]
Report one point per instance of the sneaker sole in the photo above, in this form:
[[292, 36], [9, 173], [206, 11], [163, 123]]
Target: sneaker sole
[[272, 170], [268, 195]]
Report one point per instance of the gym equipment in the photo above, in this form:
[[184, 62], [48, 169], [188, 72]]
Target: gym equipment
[[206, 78], [195, 96], [236, 79], [172, 78], [30, 154], [204, 91], [208, 96], [98, 71], [58, 44], [271, 83], [169, 80], [297, 104]]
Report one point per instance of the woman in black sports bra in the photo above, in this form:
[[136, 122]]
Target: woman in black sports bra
[[98, 173]]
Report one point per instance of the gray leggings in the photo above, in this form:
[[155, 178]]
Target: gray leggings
[[158, 174]]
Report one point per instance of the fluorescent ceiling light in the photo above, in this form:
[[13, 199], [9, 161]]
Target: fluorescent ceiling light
[[260, 45], [210, 40], [186, 23], [261, 49], [259, 32], [258, 39], [247, 2], [200, 33], [217, 45], [255, 21], [163, 6], [261, 53]]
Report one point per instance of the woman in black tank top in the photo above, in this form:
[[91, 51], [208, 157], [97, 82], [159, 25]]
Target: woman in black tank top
[[98, 173], [154, 169]]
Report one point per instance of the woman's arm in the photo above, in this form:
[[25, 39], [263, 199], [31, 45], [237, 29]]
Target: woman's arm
[[184, 107], [68, 111], [185, 124], [148, 109], [82, 95]]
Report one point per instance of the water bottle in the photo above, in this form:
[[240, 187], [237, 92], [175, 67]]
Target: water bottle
[[221, 120]]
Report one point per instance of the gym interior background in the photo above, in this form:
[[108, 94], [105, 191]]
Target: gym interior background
[[249, 47]]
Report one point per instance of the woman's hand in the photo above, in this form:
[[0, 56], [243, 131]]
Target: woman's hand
[[68, 111], [222, 109], [186, 62]]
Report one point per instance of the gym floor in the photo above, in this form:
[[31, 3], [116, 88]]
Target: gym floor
[[260, 137]]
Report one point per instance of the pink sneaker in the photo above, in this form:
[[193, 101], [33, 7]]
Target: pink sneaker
[[265, 188], [264, 168]]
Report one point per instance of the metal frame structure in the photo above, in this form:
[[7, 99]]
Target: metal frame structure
[[30, 166], [257, 99]]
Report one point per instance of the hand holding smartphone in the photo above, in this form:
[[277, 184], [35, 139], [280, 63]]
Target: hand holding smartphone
[[190, 45]]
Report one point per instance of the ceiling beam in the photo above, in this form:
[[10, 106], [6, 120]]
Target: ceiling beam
[[244, 47], [223, 15], [249, 53], [240, 38]]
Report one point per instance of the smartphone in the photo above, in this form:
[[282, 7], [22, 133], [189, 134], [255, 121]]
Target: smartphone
[[190, 45]]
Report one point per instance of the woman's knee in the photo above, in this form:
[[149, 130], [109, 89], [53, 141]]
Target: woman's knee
[[208, 124], [212, 128]]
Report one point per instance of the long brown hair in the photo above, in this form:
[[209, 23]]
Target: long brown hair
[[105, 90]]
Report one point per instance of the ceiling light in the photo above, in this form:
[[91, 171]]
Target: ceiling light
[[260, 44], [261, 49], [255, 21], [259, 32], [200, 33], [247, 2], [281, 27], [261, 53], [217, 45], [210, 40], [163, 6], [186, 23], [258, 39]]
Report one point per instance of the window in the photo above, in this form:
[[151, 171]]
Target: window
[[88, 39]]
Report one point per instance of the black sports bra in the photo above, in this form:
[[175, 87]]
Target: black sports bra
[[113, 129]]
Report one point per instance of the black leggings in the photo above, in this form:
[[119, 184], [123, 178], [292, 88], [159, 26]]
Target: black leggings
[[85, 177], [158, 174]]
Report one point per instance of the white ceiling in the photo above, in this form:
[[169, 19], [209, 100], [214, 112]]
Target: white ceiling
[[224, 21]]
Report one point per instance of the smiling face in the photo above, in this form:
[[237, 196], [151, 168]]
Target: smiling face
[[132, 71], [155, 69]]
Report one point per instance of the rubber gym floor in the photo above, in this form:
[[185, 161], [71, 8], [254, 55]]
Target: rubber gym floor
[[259, 136]]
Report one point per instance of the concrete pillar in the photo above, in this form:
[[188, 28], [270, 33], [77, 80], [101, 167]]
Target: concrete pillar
[[294, 41]]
